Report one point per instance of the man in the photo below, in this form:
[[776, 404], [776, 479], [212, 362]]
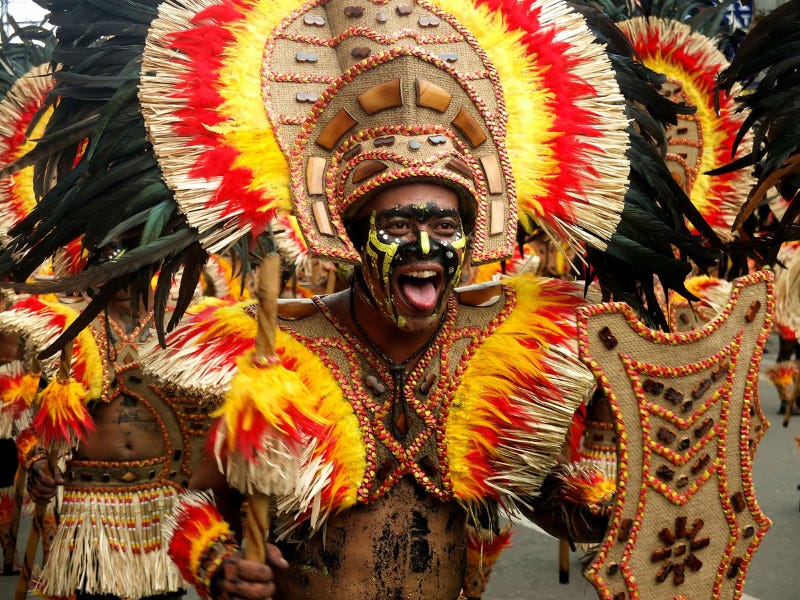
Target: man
[[124, 475], [406, 536]]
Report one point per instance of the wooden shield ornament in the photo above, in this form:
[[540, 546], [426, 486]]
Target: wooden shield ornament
[[687, 521]]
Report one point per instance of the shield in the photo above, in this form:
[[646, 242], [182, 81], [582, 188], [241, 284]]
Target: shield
[[687, 521]]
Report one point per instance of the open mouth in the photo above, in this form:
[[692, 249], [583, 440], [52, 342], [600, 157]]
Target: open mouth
[[420, 288]]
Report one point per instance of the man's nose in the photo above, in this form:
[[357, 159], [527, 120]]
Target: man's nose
[[424, 241]]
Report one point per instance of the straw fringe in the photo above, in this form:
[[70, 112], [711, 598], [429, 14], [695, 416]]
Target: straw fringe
[[112, 542]]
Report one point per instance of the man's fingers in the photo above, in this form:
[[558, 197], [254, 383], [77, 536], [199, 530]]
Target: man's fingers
[[246, 590], [249, 570], [275, 557]]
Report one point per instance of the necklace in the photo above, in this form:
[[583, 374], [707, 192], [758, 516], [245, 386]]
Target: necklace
[[400, 411]]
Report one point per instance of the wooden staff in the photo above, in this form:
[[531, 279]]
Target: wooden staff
[[13, 528], [37, 525], [19, 495], [258, 504]]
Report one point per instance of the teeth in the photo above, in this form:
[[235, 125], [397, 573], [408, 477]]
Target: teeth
[[420, 274]]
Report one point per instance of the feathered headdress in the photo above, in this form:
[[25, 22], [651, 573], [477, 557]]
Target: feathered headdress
[[767, 65], [255, 107], [24, 84]]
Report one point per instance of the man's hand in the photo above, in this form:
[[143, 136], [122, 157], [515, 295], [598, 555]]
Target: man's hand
[[42, 483], [241, 579]]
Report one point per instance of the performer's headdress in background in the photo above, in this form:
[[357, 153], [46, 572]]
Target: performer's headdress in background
[[700, 142]]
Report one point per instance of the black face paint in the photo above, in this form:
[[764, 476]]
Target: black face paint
[[412, 259]]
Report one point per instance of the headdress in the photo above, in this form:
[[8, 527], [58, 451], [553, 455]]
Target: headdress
[[517, 106], [246, 101], [699, 142]]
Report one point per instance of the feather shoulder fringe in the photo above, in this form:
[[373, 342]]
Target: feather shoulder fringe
[[38, 321], [512, 409], [203, 356], [201, 352]]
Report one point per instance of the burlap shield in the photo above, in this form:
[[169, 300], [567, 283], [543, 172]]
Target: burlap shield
[[687, 521]]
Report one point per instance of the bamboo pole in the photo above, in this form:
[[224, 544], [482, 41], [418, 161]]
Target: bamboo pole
[[258, 504]]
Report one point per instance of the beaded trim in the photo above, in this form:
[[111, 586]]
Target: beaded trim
[[372, 412], [692, 432], [210, 563]]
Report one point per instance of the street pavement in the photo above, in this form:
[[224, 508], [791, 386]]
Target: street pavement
[[529, 569]]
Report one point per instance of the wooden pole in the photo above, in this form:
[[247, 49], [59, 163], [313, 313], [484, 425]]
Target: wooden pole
[[13, 527], [258, 504], [37, 526]]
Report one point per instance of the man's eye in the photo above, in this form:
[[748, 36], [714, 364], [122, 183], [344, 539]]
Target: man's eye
[[446, 227], [396, 226]]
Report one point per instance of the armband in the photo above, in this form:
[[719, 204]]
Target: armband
[[199, 540]]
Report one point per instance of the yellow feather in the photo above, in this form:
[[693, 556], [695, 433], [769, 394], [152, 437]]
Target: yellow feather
[[249, 130]]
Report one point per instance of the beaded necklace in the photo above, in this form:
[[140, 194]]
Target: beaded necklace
[[116, 338], [400, 411]]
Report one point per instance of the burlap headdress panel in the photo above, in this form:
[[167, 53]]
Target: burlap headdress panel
[[421, 102], [257, 107]]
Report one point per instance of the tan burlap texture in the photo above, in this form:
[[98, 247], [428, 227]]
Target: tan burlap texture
[[687, 521]]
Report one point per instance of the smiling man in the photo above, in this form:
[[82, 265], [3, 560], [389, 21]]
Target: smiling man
[[435, 409]]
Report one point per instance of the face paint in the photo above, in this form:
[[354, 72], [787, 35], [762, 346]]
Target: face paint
[[413, 258]]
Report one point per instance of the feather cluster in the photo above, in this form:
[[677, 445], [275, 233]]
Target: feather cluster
[[18, 388], [515, 402], [62, 419], [195, 525]]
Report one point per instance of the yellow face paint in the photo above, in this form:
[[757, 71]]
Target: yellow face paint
[[424, 242]]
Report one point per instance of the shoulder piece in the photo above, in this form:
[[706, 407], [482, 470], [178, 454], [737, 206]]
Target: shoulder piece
[[682, 402], [295, 308], [38, 321], [480, 294], [519, 389]]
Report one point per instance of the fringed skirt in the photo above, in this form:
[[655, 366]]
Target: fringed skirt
[[109, 540]]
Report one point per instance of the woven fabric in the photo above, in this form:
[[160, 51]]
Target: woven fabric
[[687, 521]]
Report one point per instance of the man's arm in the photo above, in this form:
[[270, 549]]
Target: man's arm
[[574, 504], [221, 572]]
